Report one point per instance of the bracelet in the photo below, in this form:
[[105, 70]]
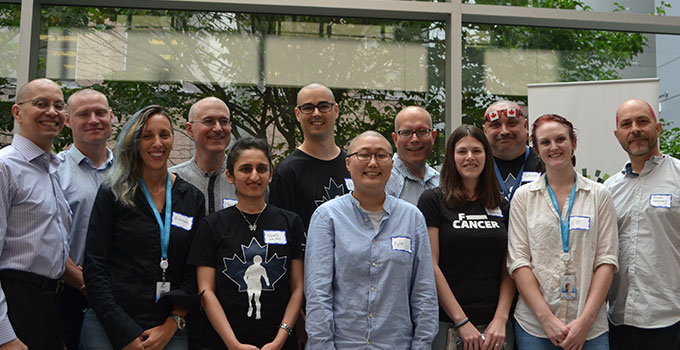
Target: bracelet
[[461, 323], [286, 328]]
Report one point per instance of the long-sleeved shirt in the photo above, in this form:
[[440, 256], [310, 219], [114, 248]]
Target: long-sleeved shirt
[[122, 256], [35, 217], [403, 184], [219, 193], [645, 292], [365, 289], [80, 180], [535, 241]]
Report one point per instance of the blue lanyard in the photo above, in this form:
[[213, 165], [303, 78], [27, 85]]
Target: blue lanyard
[[164, 227], [563, 225], [518, 180]]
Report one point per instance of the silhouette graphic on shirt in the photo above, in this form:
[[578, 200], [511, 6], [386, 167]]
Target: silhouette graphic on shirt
[[333, 190], [254, 273]]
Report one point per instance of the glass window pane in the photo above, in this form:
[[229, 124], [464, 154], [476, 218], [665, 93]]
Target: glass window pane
[[632, 6], [9, 58], [256, 63]]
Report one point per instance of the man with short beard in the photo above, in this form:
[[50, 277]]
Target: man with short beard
[[644, 300], [507, 129]]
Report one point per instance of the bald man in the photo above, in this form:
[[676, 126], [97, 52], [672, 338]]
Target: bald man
[[507, 129], [414, 138], [209, 125], [35, 222], [644, 300]]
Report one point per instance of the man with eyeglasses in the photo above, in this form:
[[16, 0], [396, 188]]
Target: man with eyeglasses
[[209, 125], [35, 222], [369, 279], [83, 168], [414, 138], [507, 129], [315, 172]]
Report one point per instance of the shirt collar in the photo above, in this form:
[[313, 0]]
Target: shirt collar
[[31, 151], [581, 183], [388, 205], [79, 157], [221, 170], [650, 164], [404, 170]]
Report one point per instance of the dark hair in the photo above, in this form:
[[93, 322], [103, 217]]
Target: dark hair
[[451, 184], [552, 118], [243, 144]]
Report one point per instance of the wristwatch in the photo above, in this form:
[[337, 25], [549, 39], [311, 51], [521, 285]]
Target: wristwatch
[[181, 323], [286, 328]]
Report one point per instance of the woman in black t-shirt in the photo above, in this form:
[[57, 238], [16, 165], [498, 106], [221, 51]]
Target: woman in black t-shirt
[[467, 223], [249, 260]]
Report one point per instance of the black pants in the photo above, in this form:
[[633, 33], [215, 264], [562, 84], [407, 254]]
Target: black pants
[[633, 338], [73, 305], [33, 309]]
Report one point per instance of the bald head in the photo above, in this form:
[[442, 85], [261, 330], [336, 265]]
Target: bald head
[[412, 112], [81, 94], [314, 86], [27, 90], [370, 133], [195, 110], [633, 103]]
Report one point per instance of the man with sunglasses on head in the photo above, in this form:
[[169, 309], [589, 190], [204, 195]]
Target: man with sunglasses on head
[[414, 138], [209, 125], [35, 220], [507, 129], [315, 172]]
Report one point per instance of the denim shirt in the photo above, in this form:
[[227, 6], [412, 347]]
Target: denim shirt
[[365, 289]]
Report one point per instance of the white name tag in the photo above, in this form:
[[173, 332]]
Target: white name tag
[[579, 223], [402, 243], [228, 202], [349, 184], [661, 200], [275, 237], [530, 176], [182, 221], [494, 212]]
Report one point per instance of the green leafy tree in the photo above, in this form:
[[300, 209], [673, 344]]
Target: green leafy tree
[[669, 139]]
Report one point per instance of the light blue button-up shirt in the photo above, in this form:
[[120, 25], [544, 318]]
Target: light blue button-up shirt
[[403, 184], [80, 180], [34, 217], [368, 290]]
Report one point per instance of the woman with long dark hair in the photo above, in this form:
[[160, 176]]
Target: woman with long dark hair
[[138, 239], [467, 219]]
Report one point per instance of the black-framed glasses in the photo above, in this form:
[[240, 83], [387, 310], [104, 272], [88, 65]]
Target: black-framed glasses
[[43, 103], [366, 156], [210, 122], [308, 108], [408, 133]]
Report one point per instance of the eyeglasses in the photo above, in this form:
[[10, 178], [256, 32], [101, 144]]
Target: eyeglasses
[[510, 112], [408, 133], [42, 103], [308, 108], [210, 122], [366, 156]]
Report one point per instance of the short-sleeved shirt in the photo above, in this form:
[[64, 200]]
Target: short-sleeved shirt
[[301, 183], [224, 241], [218, 191], [472, 245]]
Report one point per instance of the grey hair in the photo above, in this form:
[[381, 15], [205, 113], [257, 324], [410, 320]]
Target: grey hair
[[125, 174]]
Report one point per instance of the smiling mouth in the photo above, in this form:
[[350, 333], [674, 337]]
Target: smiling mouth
[[48, 123]]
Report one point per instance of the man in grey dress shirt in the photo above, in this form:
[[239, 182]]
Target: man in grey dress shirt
[[414, 138], [34, 222], [83, 168], [209, 125], [644, 300]]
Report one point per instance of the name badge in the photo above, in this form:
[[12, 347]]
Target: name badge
[[530, 176], [579, 223], [494, 212], [661, 200], [349, 184], [161, 289], [182, 221], [228, 202], [402, 244], [275, 237]]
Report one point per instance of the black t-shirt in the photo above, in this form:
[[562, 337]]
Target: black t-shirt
[[509, 169], [472, 247], [301, 183], [224, 241]]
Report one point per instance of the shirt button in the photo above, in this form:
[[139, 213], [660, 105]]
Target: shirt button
[[373, 240], [372, 289], [368, 342], [370, 315], [365, 220], [374, 264]]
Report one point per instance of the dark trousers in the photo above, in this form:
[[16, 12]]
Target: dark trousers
[[633, 338], [33, 309], [73, 305]]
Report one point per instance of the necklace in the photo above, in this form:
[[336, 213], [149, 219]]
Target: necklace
[[253, 226]]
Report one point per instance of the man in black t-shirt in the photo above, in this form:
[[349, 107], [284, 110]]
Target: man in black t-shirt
[[315, 172], [507, 129]]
